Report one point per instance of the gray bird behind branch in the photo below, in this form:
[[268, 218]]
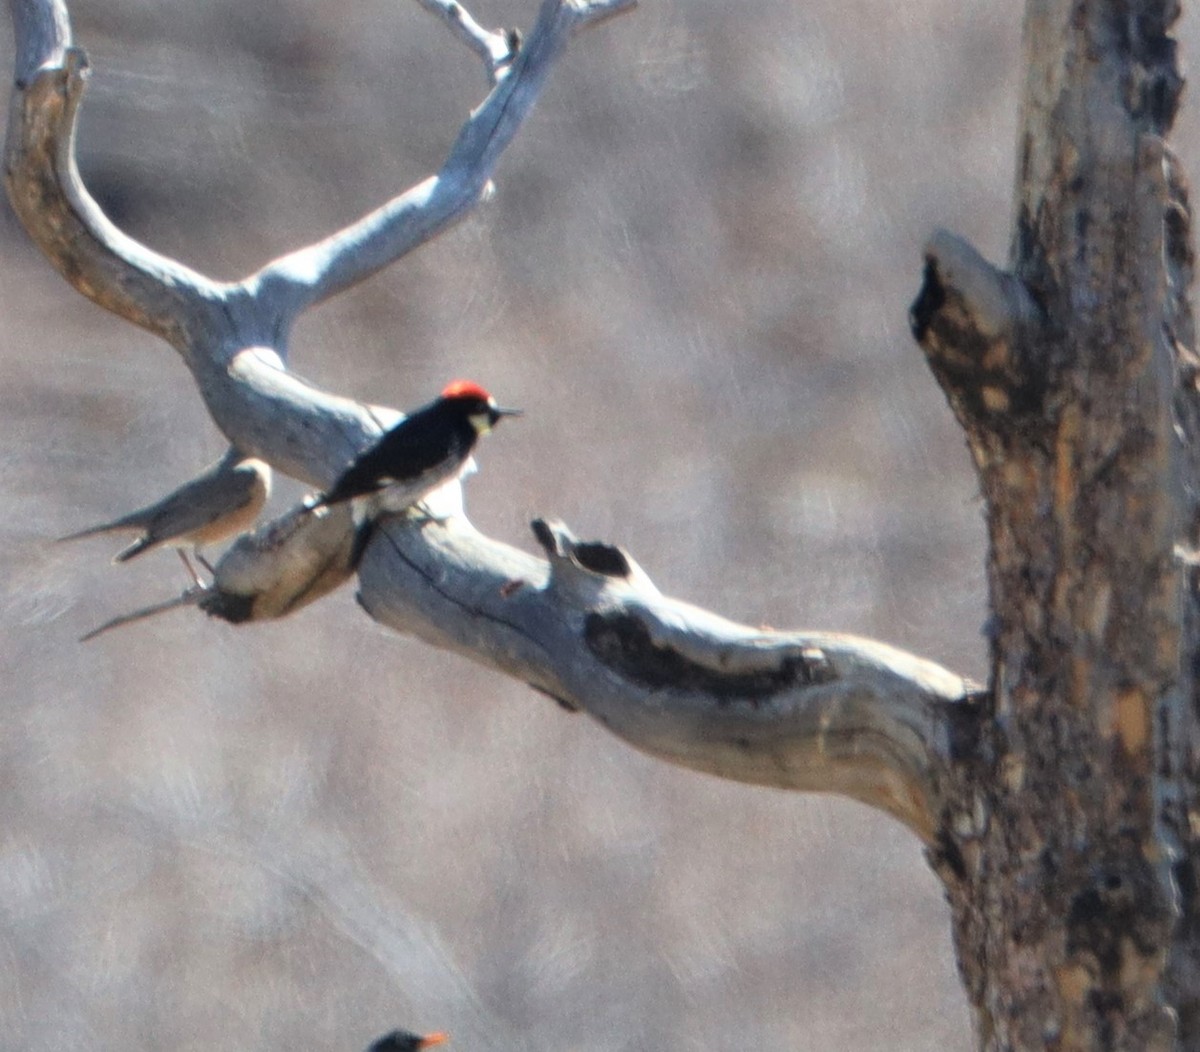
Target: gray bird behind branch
[[222, 502]]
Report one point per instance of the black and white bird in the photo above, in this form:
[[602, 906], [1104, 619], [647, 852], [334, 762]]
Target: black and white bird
[[427, 448], [404, 1041]]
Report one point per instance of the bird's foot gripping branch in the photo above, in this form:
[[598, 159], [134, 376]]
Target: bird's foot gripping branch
[[274, 570]]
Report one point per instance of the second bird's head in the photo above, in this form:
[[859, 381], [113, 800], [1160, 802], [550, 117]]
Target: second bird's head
[[403, 1041], [475, 404]]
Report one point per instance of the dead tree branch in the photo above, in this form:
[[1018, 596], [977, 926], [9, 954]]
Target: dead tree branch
[[816, 712], [809, 711]]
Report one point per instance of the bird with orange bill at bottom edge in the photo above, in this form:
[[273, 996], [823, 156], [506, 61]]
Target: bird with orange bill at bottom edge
[[404, 1041], [222, 502], [427, 448]]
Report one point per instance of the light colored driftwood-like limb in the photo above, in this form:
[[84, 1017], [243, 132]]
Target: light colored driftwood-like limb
[[49, 197], [314, 273], [820, 712], [496, 48], [234, 336], [42, 32], [184, 307], [586, 626], [809, 711]]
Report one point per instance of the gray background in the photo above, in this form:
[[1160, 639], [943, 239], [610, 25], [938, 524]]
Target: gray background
[[695, 279]]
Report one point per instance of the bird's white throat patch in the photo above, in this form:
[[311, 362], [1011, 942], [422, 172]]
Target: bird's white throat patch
[[482, 422]]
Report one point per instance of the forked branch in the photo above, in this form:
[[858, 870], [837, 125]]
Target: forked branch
[[585, 625]]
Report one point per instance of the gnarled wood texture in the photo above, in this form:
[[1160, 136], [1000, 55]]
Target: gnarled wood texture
[[1074, 856], [801, 711]]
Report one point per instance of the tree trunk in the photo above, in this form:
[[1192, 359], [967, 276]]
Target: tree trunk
[[1069, 853]]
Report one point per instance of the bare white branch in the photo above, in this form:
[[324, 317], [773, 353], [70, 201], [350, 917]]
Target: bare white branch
[[820, 712], [181, 305], [584, 625], [811, 711], [312, 274], [49, 197], [495, 47]]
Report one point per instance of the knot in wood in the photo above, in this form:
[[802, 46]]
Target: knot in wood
[[601, 558]]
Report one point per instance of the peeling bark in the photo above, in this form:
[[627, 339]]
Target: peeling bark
[[1067, 907]]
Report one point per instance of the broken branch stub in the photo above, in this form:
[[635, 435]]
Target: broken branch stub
[[978, 326], [274, 570]]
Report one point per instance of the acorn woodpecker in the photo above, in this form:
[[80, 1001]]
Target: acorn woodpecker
[[425, 449], [403, 1041]]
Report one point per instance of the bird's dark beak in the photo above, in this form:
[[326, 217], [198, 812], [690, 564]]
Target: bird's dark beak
[[495, 413]]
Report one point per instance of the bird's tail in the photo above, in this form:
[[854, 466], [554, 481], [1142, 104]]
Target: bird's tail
[[125, 523], [129, 551], [188, 598]]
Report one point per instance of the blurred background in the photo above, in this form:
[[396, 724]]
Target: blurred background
[[695, 279]]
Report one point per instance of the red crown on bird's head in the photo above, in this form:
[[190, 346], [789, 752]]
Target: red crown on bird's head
[[465, 389]]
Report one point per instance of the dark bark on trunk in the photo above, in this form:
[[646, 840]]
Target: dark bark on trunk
[[1070, 853]]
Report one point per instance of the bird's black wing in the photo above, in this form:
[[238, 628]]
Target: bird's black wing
[[414, 447]]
